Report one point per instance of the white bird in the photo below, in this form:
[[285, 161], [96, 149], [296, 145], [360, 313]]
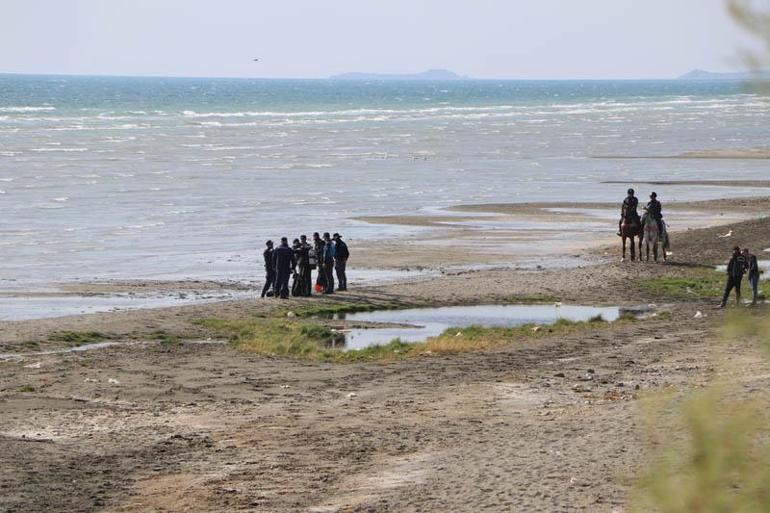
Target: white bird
[[728, 234]]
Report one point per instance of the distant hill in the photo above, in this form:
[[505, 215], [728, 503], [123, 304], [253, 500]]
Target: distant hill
[[432, 74], [699, 74]]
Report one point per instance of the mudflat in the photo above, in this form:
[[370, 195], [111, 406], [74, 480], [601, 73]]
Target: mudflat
[[198, 425]]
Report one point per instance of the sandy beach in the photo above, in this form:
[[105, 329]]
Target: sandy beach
[[544, 424]]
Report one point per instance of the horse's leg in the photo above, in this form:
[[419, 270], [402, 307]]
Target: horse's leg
[[623, 258], [633, 250], [655, 251]]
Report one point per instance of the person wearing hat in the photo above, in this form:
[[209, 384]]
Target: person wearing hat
[[341, 255], [629, 209], [655, 209], [284, 263], [328, 263], [269, 270], [735, 270], [305, 265]]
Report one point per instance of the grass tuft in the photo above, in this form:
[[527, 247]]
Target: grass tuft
[[78, 338]]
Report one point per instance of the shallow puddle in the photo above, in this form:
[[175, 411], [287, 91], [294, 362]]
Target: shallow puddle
[[76, 349], [430, 322]]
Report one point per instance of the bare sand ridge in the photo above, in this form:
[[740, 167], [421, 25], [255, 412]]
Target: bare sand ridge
[[542, 425]]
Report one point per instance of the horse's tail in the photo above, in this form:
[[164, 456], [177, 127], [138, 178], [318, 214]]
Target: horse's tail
[[666, 239]]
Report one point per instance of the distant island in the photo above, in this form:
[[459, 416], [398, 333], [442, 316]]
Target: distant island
[[432, 74], [699, 74]]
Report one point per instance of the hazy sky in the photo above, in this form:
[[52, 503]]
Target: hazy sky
[[317, 38]]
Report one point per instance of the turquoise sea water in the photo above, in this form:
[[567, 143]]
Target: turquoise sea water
[[104, 177]]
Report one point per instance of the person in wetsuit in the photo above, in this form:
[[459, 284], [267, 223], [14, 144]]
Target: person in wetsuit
[[655, 209], [629, 209], [284, 263], [267, 255]]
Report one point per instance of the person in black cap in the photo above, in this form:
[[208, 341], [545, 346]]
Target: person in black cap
[[655, 209], [284, 263], [304, 265], [735, 269], [269, 270], [628, 211], [341, 255]]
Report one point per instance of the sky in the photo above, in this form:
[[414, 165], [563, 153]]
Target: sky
[[511, 39]]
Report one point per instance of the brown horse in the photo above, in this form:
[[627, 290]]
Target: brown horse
[[629, 229]]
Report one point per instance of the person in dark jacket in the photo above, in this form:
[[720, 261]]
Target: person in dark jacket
[[318, 246], [735, 269], [655, 209], [269, 288], [341, 255], [284, 263], [628, 210], [303, 265], [328, 263], [753, 272]]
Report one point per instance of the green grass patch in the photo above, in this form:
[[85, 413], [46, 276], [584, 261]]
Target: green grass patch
[[78, 338], [700, 284], [312, 340], [330, 310], [26, 388]]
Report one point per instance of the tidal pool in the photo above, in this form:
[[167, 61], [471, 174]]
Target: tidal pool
[[418, 324]]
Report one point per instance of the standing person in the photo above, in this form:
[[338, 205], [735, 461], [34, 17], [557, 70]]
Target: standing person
[[735, 269], [296, 282], [341, 255], [269, 288], [304, 266], [753, 274], [328, 263], [318, 246], [655, 209], [628, 210], [284, 262]]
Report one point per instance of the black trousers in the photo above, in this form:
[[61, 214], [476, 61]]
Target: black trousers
[[282, 283], [329, 276], [307, 280], [733, 282], [269, 281], [342, 279]]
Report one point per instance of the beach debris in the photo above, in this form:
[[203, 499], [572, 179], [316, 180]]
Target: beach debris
[[35, 365], [285, 386], [113, 381], [535, 329], [90, 380], [698, 314], [728, 234], [459, 334], [352, 395], [557, 304], [290, 314]]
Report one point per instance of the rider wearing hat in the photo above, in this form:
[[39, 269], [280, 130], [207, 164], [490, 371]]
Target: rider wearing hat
[[655, 209], [628, 209]]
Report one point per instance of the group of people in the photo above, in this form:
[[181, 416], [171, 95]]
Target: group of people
[[327, 254], [629, 210], [742, 262]]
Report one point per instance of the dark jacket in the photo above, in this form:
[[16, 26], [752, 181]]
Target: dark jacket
[[737, 266], [268, 256], [341, 250], [629, 208], [753, 267], [302, 253], [283, 259], [655, 209]]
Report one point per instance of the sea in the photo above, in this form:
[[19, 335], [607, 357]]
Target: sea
[[185, 178]]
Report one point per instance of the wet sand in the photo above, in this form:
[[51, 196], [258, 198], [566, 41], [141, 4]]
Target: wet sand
[[541, 425]]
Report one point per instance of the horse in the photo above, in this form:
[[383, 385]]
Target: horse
[[629, 229], [652, 237]]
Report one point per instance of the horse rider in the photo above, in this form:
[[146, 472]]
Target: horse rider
[[628, 209], [655, 210]]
